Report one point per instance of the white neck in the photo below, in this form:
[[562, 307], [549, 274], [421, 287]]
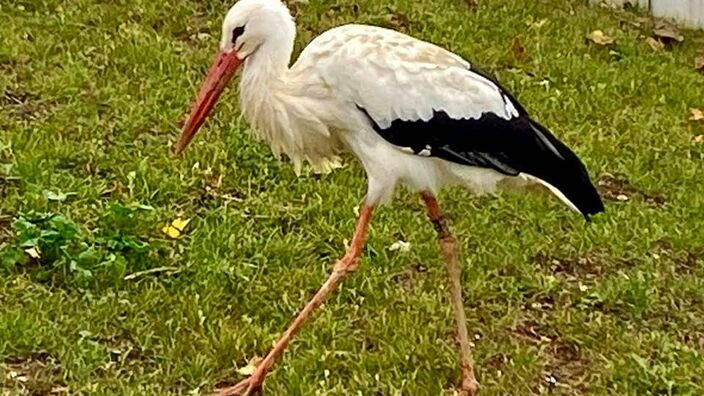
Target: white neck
[[273, 101]]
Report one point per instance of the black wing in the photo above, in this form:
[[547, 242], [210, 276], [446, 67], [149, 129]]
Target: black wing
[[509, 146]]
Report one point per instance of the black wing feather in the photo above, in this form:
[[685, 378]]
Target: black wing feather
[[509, 146]]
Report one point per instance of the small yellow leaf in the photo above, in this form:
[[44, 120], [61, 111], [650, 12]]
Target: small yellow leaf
[[697, 114], [171, 231], [175, 228], [33, 252], [698, 139], [247, 370], [180, 224], [600, 38], [250, 367]]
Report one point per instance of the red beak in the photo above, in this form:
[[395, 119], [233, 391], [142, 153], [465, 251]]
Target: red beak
[[220, 73]]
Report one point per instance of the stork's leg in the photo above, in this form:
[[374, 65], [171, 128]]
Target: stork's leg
[[448, 244], [343, 267]]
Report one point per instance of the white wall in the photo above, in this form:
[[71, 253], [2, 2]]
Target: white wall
[[640, 3], [689, 13]]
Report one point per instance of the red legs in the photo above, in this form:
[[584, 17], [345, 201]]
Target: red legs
[[342, 269], [448, 244], [349, 264]]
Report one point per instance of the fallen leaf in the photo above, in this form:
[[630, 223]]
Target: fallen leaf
[[667, 33], [600, 38], [398, 20], [175, 228], [699, 63], [180, 223], [697, 114], [250, 367], [517, 48], [655, 44], [247, 370], [34, 253], [172, 232], [401, 246], [698, 139]]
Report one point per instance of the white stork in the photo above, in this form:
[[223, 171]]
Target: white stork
[[413, 113]]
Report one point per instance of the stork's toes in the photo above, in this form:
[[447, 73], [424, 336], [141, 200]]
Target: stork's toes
[[246, 387], [468, 387]]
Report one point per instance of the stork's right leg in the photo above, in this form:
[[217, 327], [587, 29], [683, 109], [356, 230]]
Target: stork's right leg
[[344, 267], [448, 244]]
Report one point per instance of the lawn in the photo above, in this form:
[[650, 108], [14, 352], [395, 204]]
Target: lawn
[[96, 299]]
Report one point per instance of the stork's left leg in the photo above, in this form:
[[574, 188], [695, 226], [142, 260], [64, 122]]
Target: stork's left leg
[[448, 244], [342, 269]]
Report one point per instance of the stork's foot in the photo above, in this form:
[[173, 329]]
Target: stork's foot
[[247, 387], [468, 386]]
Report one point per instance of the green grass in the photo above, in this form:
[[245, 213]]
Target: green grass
[[92, 94]]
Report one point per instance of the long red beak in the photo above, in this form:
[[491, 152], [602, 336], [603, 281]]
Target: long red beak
[[219, 75]]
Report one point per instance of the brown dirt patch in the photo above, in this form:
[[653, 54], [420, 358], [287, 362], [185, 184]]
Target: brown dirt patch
[[586, 267], [398, 21], [408, 279], [37, 374], [8, 184], [5, 227], [25, 105], [534, 332], [10, 65], [692, 337], [564, 376], [125, 352], [686, 261], [211, 189], [619, 189], [495, 362], [564, 366]]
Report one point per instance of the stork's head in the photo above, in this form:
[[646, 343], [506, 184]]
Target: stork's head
[[249, 26]]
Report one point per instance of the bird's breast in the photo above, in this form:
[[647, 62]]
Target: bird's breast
[[291, 125]]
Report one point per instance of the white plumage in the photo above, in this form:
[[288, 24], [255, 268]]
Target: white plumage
[[310, 111], [412, 113]]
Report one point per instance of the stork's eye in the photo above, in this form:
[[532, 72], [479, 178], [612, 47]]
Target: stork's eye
[[236, 33]]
